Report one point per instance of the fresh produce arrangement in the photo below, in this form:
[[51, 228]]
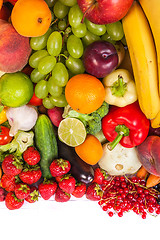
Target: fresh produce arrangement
[[80, 103]]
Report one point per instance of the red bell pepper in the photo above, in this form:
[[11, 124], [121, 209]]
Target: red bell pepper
[[125, 125]]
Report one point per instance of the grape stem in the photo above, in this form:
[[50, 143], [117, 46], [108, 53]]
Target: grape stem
[[54, 22]]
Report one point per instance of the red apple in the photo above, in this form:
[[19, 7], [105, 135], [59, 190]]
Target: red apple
[[104, 11]]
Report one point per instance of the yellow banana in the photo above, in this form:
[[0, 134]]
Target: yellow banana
[[144, 60], [152, 10]]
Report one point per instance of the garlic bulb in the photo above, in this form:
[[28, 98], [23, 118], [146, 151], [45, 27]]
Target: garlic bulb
[[21, 118]]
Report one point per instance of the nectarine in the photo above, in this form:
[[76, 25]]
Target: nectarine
[[149, 154], [14, 48]]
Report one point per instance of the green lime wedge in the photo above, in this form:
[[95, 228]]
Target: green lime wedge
[[72, 132]]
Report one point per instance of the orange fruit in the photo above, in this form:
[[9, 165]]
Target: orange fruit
[[90, 151], [31, 18], [84, 93], [1, 3]]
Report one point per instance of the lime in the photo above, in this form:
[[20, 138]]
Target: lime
[[72, 131], [16, 89]]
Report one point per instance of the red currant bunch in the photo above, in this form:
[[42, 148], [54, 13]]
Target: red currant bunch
[[123, 194]]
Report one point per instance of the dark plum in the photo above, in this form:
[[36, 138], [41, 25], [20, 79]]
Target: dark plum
[[100, 58]]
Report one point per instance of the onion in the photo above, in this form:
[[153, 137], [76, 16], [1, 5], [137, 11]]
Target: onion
[[21, 118]]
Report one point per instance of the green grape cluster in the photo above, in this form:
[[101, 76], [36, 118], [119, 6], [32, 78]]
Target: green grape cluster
[[57, 55]]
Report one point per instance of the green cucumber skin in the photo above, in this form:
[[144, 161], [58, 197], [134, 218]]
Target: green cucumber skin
[[46, 143]]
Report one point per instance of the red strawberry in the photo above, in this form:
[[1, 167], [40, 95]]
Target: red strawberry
[[47, 189], [31, 156], [30, 175], [66, 183], [99, 175], [61, 196], [94, 192], [8, 182], [12, 165], [12, 202], [59, 167], [33, 196], [22, 190], [80, 190]]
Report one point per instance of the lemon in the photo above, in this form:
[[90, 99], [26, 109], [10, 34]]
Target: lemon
[[72, 132], [16, 89]]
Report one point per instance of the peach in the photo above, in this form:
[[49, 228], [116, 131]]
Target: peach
[[149, 154], [14, 48]]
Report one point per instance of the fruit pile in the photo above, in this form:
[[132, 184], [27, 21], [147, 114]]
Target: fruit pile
[[79, 103]]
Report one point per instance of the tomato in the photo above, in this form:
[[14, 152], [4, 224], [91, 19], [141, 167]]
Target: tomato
[[35, 101], [4, 135]]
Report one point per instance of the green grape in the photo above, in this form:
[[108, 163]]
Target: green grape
[[95, 28], [60, 10], [53, 88], [47, 103], [38, 43], [62, 25], [54, 43], [36, 76], [115, 30], [75, 46], [59, 101], [36, 57], [69, 3], [50, 3], [106, 37], [60, 74], [46, 64], [75, 65], [41, 90], [80, 31], [90, 38], [75, 16]]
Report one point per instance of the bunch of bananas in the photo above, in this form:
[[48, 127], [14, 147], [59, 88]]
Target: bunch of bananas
[[142, 32]]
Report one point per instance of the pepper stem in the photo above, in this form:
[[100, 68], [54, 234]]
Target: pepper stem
[[119, 87], [122, 131]]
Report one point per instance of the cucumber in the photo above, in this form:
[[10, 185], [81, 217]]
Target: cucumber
[[46, 143]]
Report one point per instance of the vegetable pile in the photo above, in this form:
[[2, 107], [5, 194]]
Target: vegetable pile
[[79, 105]]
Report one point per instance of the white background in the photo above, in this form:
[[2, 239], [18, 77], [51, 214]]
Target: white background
[[76, 219]]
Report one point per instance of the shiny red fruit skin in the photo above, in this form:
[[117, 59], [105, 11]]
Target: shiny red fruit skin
[[104, 11], [31, 156], [30, 177], [12, 202]]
